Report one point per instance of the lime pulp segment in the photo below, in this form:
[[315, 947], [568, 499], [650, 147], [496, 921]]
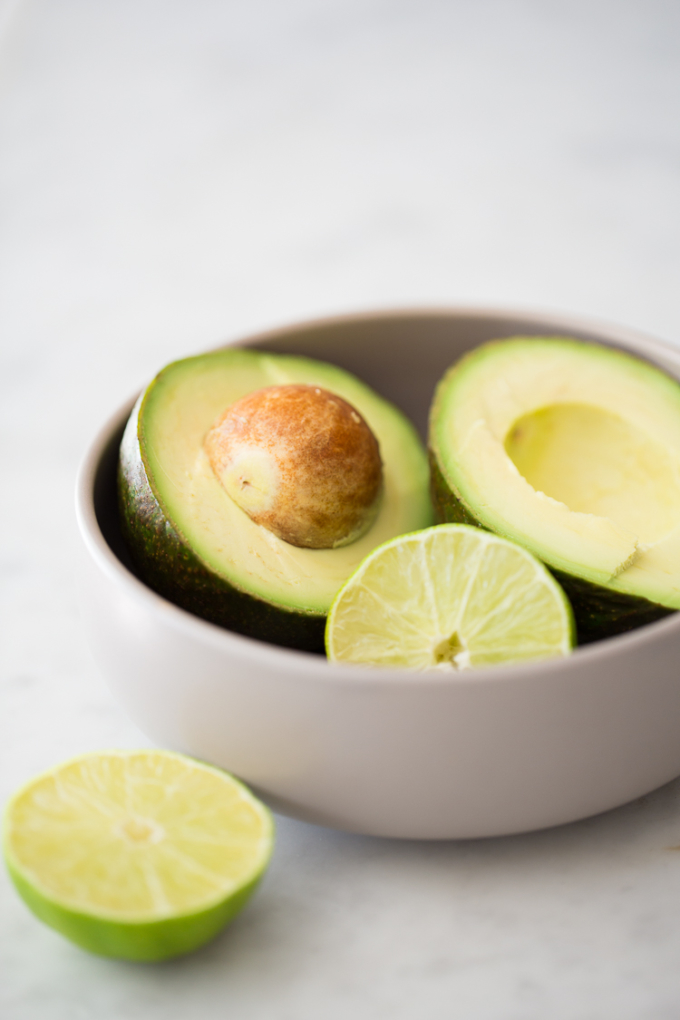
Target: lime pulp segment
[[450, 597], [141, 854]]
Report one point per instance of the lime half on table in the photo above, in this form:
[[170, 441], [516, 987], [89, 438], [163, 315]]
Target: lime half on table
[[451, 597], [136, 854]]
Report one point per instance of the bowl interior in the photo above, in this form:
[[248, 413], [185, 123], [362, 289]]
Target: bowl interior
[[402, 355]]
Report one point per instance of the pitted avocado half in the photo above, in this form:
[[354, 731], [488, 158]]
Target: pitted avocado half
[[572, 450], [194, 545]]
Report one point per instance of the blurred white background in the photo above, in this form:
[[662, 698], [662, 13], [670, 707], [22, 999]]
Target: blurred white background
[[176, 173]]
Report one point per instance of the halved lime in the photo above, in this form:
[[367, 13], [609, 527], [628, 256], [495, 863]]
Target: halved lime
[[451, 597], [136, 854]]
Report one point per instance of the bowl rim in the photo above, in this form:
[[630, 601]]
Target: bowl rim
[[307, 664]]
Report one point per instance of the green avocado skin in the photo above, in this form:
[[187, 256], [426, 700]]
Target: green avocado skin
[[167, 564], [599, 612]]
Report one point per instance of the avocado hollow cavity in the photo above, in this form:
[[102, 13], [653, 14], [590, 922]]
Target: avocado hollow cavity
[[596, 462], [301, 462], [572, 450]]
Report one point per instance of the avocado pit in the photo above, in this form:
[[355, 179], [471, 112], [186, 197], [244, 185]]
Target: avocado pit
[[301, 462]]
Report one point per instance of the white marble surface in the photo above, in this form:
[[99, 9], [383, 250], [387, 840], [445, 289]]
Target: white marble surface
[[173, 173]]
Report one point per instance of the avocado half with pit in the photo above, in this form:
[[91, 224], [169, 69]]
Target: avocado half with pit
[[193, 544], [573, 451]]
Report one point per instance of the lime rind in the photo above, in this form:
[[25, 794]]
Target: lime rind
[[158, 933], [142, 941], [449, 597]]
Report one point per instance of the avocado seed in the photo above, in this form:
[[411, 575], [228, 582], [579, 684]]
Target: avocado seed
[[301, 462]]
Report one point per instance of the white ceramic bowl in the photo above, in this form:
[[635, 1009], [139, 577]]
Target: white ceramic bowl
[[391, 753]]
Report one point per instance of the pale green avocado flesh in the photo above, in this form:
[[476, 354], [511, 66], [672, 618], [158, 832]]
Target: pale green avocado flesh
[[194, 545], [572, 450]]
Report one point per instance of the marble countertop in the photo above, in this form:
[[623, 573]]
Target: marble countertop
[[174, 174]]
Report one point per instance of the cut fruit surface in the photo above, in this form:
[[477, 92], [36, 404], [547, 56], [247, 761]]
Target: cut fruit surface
[[450, 597], [136, 854], [194, 545], [596, 462], [572, 450]]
